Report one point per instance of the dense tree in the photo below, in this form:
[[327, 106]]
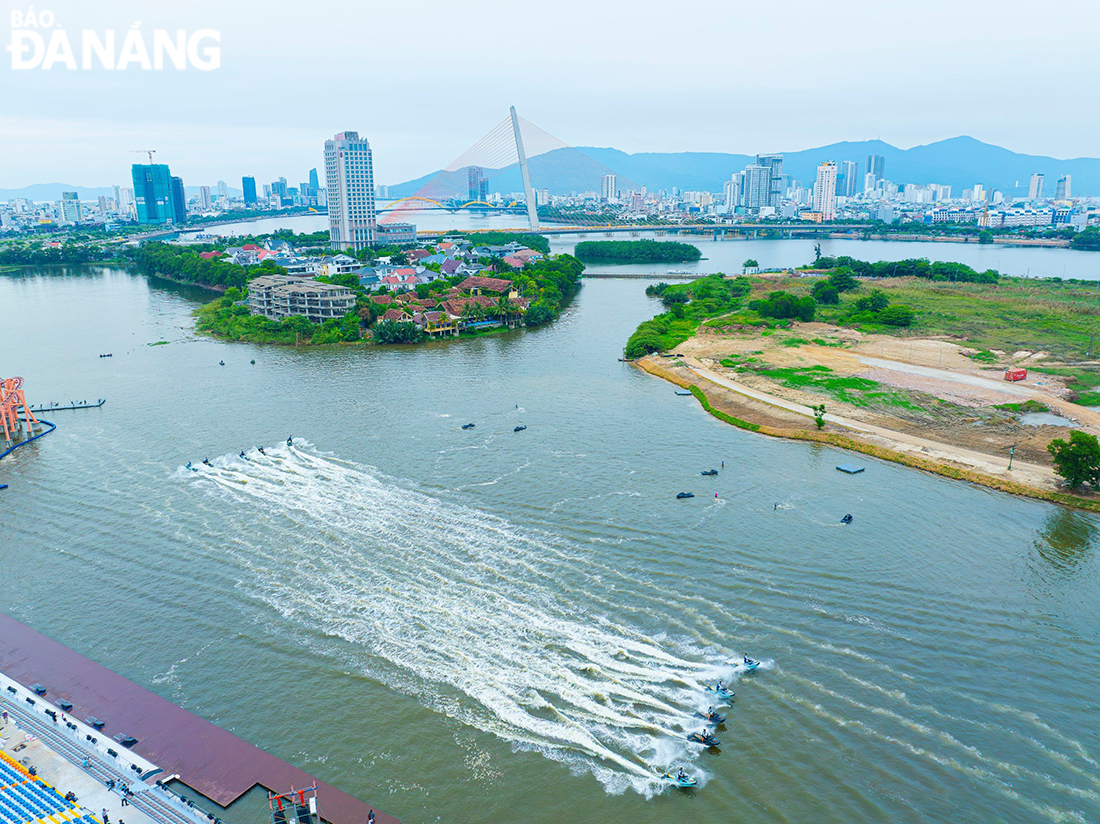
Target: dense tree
[[1087, 239], [825, 293], [1078, 459], [843, 279], [784, 305], [636, 251]]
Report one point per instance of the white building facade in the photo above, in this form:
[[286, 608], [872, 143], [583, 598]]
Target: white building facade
[[349, 178]]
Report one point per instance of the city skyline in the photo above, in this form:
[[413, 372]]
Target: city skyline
[[873, 92]]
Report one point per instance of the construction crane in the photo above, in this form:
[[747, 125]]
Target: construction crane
[[149, 152]]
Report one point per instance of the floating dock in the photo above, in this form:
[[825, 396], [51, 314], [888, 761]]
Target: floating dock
[[83, 405], [851, 469], [208, 759]]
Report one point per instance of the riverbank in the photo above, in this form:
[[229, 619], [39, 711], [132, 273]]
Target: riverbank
[[770, 414]]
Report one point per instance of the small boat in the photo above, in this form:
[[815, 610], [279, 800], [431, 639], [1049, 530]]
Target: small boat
[[709, 472], [680, 781], [3, 486], [467, 426], [685, 494], [519, 428], [704, 738], [847, 519], [711, 717], [720, 691]]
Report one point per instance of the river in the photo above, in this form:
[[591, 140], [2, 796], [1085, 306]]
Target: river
[[490, 626], [728, 256]]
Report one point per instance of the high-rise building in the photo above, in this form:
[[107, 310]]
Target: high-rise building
[[608, 188], [249, 186], [314, 182], [846, 172], [477, 184], [825, 190], [349, 178], [869, 183], [1035, 189], [876, 165], [70, 207], [731, 191], [774, 164], [179, 201], [153, 193], [756, 184], [1062, 190], [205, 201], [223, 189], [126, 205]]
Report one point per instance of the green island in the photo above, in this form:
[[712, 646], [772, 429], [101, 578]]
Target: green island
[[944, 360], [636, 251], [531, 296]]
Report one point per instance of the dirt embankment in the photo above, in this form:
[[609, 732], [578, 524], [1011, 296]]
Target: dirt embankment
[[935, 410]]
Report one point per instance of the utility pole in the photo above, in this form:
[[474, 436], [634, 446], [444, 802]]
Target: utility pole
[[528, 190], [1011, 452]]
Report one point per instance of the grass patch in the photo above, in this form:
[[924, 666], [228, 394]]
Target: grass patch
[[1088, 398], [862, 392], [794, 342], [1010, 315], [823, 342], [1030, 405], [719, 414]]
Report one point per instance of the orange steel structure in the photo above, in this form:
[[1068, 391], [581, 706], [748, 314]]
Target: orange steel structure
[[11, 401]]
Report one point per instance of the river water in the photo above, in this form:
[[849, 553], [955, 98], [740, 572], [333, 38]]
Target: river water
[[728, 256], [490, 626]]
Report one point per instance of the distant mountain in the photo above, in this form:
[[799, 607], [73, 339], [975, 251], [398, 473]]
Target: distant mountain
[[52, 191], [48, 192], [959, 162]]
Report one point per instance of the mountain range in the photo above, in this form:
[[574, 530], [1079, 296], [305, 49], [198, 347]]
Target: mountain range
[[959, 162]]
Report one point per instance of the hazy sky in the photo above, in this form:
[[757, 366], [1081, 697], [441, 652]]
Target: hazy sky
[[425, 79]]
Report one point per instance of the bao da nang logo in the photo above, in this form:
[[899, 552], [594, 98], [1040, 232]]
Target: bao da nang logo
[[37, 42]]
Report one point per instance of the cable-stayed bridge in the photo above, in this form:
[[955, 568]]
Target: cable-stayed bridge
[[560, 190]]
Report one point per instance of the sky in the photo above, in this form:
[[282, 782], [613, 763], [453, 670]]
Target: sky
[[424, 80]]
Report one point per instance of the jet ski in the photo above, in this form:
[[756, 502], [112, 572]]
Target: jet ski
[[253, 361], [720, 691], [191, 467], [680, 781], [221, 363], [519, 428], [847, 519], [467, 426], [685, 494], [709, 472], [704, 738], [749, 664], [711, 717], [260, 449], [207, 461], [242, 455]]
